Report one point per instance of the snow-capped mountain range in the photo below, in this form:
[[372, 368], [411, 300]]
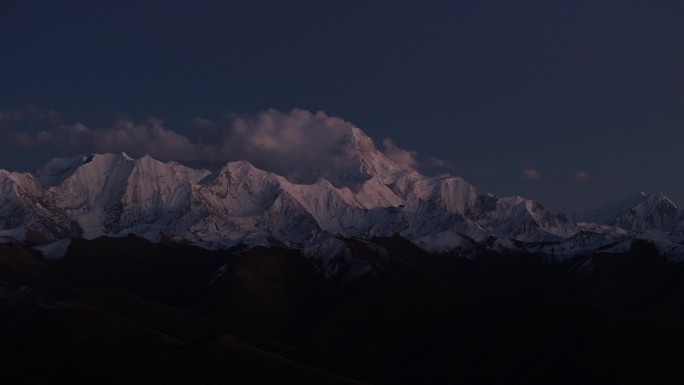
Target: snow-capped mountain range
[[114, 194]]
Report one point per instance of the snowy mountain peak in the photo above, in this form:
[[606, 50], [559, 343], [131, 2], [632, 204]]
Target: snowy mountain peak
[[638, 212], [241, 167], [150, 167], [238, 173], [658, 197], [372, 161]]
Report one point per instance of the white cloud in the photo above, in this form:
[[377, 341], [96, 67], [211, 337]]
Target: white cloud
[[436, 163], [11, 116], [405, 159], [139, 139], [298, 144], [30, 113], [530, 174]]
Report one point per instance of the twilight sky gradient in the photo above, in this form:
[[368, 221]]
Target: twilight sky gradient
[[572, 103]]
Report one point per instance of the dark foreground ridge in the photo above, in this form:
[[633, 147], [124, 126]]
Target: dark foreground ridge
[[128, 311]]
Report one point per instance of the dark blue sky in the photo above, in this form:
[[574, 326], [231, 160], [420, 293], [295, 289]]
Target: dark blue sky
[[572, 103]]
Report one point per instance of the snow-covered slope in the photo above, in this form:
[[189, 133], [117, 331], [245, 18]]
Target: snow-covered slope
[[638, 212], [22, 204], [114, 194], [653, 217]]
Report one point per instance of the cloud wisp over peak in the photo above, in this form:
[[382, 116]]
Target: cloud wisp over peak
[[299, 144]]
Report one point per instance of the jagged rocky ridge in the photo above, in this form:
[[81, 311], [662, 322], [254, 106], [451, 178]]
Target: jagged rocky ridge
[[114, 194]]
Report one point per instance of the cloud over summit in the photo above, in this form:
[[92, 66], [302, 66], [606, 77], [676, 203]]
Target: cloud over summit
[[298, 144], [405, 159]]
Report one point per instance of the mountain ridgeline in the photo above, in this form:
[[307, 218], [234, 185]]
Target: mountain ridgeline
[[116, 195]]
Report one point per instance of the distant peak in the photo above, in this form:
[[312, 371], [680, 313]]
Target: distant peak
[[242, 168], [108, 157], [374, 162], [238, 165], [144, 161], [57, 170], [648, 197]]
